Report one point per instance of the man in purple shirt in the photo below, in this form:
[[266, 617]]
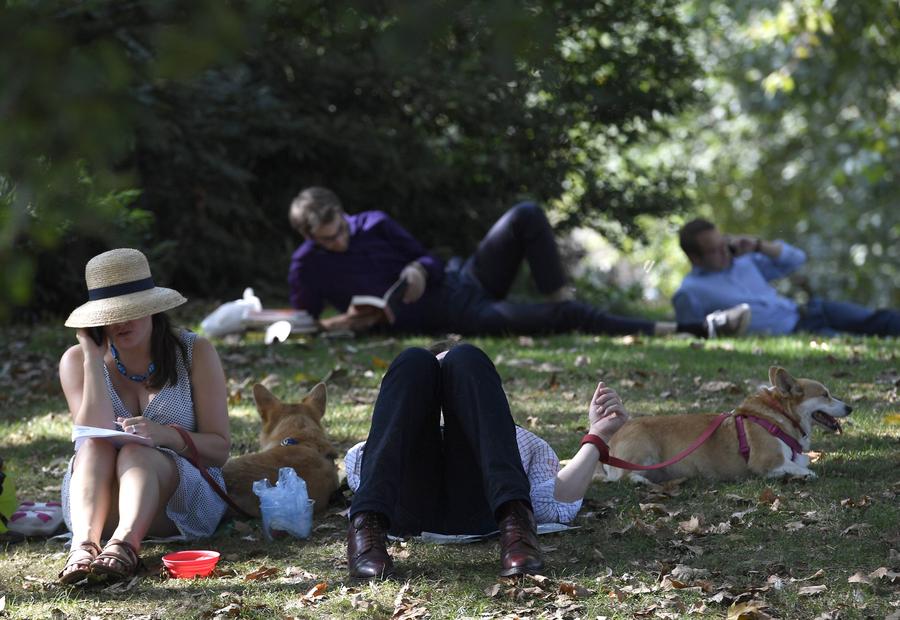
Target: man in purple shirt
[[364, 254], [729, 270]]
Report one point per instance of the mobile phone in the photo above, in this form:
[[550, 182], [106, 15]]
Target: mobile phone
[[96, 334]]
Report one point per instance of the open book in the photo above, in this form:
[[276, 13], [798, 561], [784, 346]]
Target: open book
[[387, 303], [301, 321], [118, 438]]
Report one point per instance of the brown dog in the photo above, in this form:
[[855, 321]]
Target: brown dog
[[776, 422], [291, 436]]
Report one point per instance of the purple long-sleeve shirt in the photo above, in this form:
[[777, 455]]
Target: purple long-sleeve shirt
[[378, 250]]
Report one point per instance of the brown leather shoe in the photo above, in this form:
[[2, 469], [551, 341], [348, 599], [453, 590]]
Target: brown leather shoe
[[367, 554], [520, 552]]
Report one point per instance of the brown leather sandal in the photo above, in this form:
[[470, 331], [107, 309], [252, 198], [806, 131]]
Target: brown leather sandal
[[78, 562], [118, 560]]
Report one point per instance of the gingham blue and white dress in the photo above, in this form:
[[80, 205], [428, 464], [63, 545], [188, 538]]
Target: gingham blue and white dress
[[194, 507]]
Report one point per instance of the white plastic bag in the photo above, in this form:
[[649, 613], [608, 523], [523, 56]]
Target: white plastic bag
[[229, 317], [286, 507]]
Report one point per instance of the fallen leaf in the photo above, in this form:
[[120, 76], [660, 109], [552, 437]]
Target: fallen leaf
[[539, 579], [859, 577], [750, 610], [811, 590], [316, 592], [855, 529], [358, 602], [767, 496], [721, 528], [884, 573], [720, 386], [262, 573], [574, 590], [380, 363], [815, 575], [722, 596], [124, 586], [683, 572], [494, 590], [793, 526], [691, 526]]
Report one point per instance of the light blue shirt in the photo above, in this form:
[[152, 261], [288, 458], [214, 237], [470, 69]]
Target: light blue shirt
[[745, 281]]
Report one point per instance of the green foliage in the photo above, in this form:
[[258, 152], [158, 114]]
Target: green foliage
[[800, 136], [67, 116], [443, 114]]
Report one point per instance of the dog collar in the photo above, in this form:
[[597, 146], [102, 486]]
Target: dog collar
[[289, 441], [773, 429]]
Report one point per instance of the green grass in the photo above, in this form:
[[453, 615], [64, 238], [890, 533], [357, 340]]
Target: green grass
[[620, 554]]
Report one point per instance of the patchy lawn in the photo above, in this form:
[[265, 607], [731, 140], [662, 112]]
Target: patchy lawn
[[827, 548]]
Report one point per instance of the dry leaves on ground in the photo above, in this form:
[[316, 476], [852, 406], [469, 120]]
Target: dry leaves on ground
[[750, 610], [406, 607], [262, 573]]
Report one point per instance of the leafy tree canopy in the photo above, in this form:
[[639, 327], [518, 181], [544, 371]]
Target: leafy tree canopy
[[441, 113]]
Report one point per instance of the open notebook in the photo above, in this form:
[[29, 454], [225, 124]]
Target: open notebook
[[117, 438]]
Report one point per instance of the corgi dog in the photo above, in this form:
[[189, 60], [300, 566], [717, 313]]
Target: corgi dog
[[765, 435], [291, 436]]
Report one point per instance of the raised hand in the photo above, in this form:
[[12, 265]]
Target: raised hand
[[743, 244], [89, 346], [606, 412]]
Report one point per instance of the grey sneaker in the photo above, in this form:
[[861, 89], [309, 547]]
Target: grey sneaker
[[729, 322]]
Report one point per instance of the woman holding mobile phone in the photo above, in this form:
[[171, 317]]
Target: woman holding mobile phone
[[132, 371]]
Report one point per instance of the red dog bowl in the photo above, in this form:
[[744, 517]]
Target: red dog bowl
[[188, 564]]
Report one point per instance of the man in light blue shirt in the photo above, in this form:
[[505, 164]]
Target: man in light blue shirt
[[729, 270]]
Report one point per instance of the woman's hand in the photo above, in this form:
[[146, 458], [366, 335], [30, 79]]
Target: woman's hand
[[160, 435], [606, 413], [91, 349]]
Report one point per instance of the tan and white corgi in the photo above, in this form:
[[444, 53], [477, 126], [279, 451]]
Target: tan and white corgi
[[765, 435], [291, 436]]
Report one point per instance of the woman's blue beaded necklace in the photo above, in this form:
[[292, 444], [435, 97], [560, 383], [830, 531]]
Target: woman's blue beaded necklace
[[124, 371]]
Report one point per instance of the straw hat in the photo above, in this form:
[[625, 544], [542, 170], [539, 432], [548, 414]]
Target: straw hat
[[120, 288]]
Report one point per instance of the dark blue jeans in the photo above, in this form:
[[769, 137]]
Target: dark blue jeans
[[820, 316], [450, 480], [472, 299]]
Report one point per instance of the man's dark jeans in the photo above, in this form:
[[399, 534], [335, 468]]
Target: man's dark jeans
[[471, 300], [820, 316], [449, 481]]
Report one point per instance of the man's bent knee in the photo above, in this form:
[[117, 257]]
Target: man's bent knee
[[528, 212]]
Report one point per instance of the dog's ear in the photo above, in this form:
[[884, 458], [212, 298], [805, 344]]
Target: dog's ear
[[316, 399], [783, 380], [265, 400]]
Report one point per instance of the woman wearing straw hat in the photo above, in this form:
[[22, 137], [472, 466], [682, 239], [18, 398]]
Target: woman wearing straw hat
[[143, 378]]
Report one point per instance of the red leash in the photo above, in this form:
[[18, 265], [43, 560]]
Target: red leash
[[715, 424]]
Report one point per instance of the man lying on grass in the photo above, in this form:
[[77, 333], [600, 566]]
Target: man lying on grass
[[444, 455]]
